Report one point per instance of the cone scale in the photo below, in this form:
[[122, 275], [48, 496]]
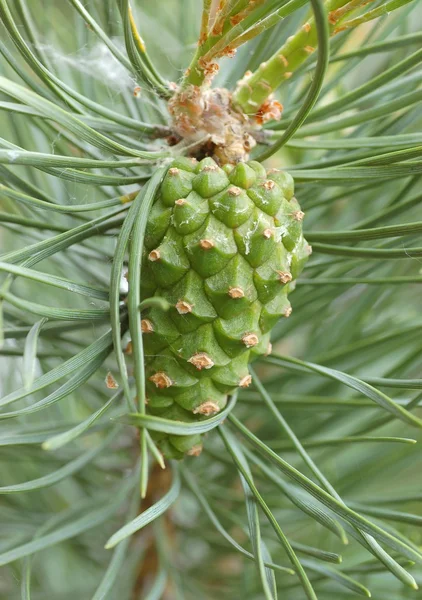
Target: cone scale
[[224, 247]]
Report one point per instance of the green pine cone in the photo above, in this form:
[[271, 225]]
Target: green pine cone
[[224, 247]]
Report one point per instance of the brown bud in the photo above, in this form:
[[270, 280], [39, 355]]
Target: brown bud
[[210, 168], [236, 292], [207, 409], [154, 255], [183, 307], [129, 348], [180, 202], [201, 360], [298, 215], [269, 349], [161, 380], [234, 191], [268, 233], [146, 326], [250, 340], [173, 171]]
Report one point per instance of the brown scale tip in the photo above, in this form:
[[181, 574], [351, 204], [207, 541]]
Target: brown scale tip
[[245, 381], [298, 215], [201, 360], [195, 450], [269, 349], [183, 307], [207, 409], [306, 27], [154, 255], [210, 168], [309, 249], [180, 202], [236, 19], [234, 191], [332, 17], [250, 340], [206, 244], [283, 60], [236, 292], [230, 52], [111, 383], [129, 348], [284, 276], [161, 380], [174, 171], [247, 141], [147, 326], [309, 49], [269, 184], [288, 311], [268, 233]]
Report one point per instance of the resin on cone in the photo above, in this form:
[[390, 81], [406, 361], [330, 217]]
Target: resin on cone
[[224, 247]]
